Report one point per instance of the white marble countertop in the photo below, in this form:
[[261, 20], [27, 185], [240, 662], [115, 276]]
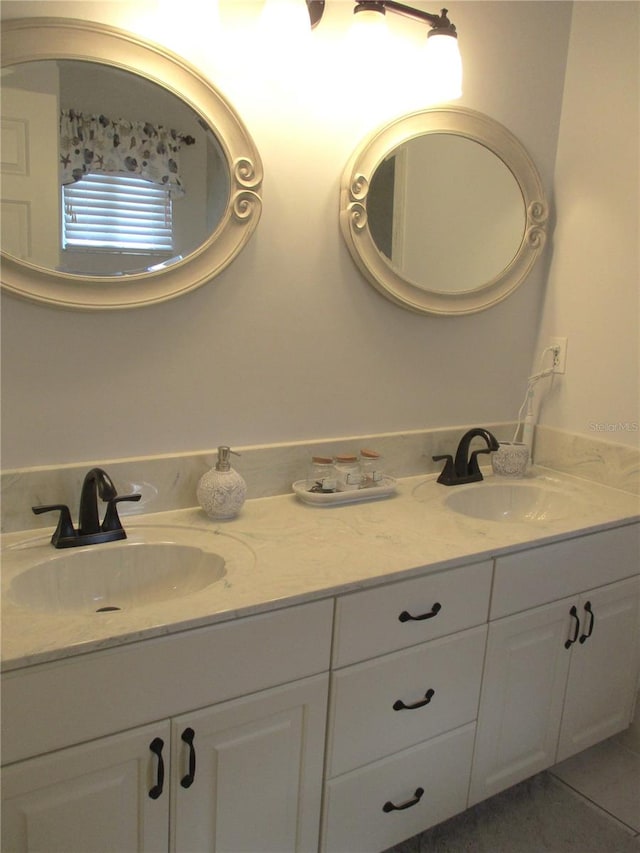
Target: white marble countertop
[[280, 551]]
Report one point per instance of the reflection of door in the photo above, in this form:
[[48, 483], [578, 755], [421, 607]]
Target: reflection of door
[[380, 206], [386, 206], [29, 175]]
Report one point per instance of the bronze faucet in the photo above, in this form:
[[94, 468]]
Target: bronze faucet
[[97, 483], [465, 468]]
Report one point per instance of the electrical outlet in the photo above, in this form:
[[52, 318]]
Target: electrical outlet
[[559, 347]]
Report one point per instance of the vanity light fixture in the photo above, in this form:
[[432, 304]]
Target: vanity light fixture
[[443, 56], [441, 25]]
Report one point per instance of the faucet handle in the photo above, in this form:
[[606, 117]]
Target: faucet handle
[[64, 530], [111, 519], [447, 477]]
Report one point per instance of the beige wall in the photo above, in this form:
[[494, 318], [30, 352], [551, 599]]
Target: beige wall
[[594, 279], [291, 342]]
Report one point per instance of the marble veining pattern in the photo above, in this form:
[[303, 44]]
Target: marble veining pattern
[[294, 552], [611, 464]]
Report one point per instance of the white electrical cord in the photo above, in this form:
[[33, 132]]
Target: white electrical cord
[[528, 399]]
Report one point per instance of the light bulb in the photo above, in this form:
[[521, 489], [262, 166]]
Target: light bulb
[[285, 20], [368, 31], [444, 67]]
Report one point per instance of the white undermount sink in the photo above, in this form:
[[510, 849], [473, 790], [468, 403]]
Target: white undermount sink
[[151, 566], [514, 501]]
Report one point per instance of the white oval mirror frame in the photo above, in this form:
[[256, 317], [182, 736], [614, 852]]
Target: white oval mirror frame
[[29, 39], [356, 183]]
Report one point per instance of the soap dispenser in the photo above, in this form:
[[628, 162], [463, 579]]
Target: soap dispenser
[[222, 491]]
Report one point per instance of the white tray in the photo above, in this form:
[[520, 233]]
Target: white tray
[[368, 493]]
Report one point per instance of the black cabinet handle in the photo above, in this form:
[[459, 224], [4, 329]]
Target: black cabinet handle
[[391, 807], [188, 736], [592, 620], [156, 747], [405, 616], [399, 705], [573, 612]]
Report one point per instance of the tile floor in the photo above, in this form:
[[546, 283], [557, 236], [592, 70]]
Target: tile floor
[[608, 776], [587, 804]]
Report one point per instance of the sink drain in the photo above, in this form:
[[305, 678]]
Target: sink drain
[[107, 609]]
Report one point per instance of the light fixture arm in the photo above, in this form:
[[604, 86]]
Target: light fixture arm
[[439, 23]]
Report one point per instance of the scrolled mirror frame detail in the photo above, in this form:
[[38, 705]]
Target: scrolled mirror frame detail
[[30, 39], [356, 182], [537, 215], [246, 202]]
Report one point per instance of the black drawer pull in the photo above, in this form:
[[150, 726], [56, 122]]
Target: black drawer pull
[[187, 736], [573, 612], [405, 616], [399, 705], [391, 807], [586, 636], [156, 747]]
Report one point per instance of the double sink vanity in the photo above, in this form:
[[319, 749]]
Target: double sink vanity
[[312, 678], [300, 678]]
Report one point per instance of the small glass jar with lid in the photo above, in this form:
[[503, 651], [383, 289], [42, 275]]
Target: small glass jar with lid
[[322, 474], [371, 468], [348, 473]]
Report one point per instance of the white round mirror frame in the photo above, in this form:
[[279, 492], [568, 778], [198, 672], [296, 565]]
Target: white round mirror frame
[[354, 190], [29, 39]]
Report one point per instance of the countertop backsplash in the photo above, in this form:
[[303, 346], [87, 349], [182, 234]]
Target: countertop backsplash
[[615, 465], [169, 481]]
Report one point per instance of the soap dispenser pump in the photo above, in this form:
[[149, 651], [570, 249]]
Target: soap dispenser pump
[[222, 491]]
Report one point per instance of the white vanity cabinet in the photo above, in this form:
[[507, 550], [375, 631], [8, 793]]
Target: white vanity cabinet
[[245, 773], [561, 676], [601, 686], [404, 695], [392, 708], [259, 760], [93, 797]]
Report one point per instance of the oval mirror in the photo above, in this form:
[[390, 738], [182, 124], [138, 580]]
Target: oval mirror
[[443, 211], [127, 179]]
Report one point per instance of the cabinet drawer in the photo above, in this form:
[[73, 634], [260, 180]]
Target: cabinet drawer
[[369, 624], [545, 574], [355, 819], [54, 705], [442, 677]]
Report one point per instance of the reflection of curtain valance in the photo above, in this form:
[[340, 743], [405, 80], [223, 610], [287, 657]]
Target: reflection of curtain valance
[[94, 143]]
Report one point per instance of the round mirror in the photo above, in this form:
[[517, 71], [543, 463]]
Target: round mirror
[[444, 211], [126, 178]]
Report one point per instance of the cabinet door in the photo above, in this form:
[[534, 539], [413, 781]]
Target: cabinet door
[[522, 696], [92, 798], [604, 667], [248, 773]]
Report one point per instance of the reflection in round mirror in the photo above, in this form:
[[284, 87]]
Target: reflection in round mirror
[[444, 211], [86, 113], [126, 178], [446, 191]]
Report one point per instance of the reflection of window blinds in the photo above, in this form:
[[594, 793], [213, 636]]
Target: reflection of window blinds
[[116, 212]]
